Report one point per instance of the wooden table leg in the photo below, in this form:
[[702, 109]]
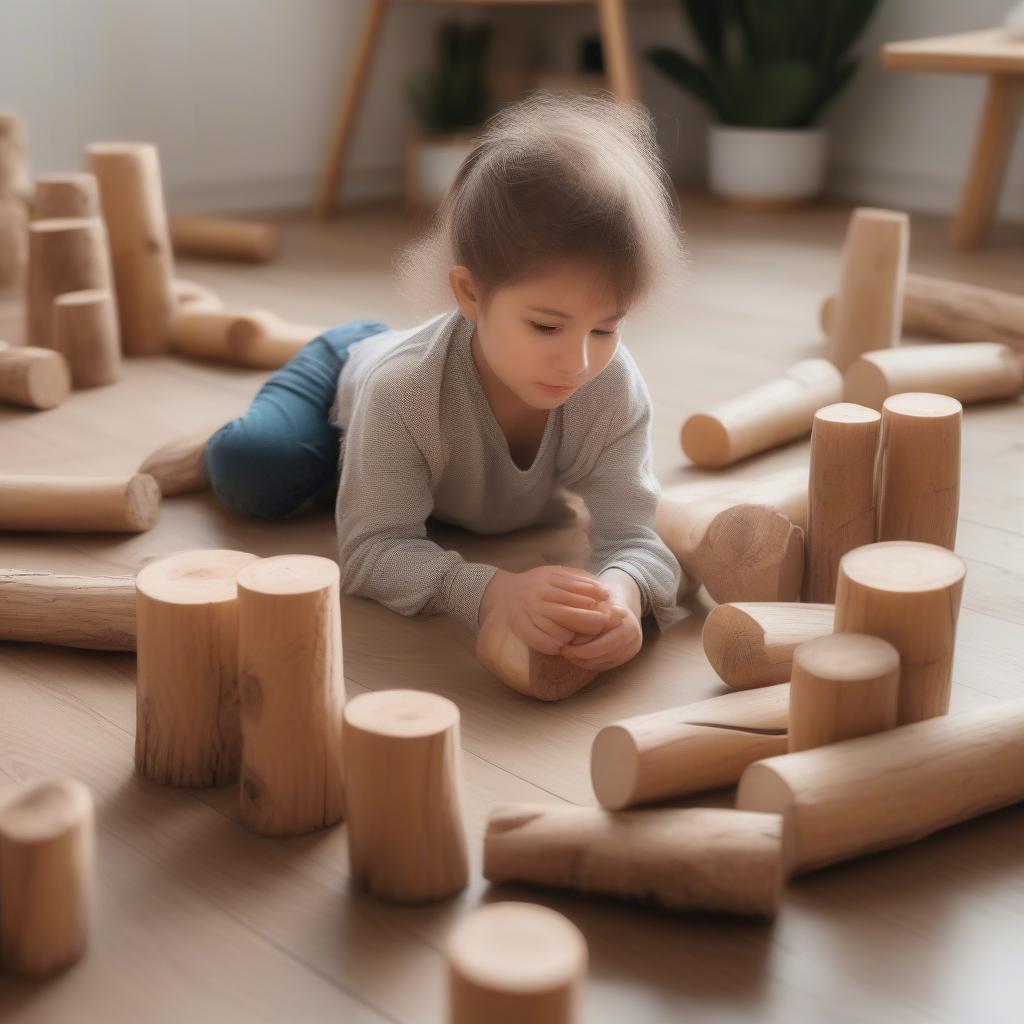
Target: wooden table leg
[[617, 55], [996, 133]]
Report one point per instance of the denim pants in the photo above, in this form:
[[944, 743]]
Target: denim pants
[[284, 450]]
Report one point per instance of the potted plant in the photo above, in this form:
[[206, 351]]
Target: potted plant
[[770, 68], [451, 101]]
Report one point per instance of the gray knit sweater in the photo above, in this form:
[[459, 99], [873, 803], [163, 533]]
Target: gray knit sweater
[[419, 439]]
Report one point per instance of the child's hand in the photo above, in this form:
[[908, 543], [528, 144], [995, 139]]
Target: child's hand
[[621, 641]]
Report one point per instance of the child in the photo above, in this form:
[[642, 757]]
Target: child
[[559, 221]]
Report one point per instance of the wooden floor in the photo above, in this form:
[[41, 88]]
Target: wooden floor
[[199, 920]]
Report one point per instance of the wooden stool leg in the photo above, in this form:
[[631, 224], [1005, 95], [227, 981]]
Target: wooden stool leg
[[996, 132], [615, 41]]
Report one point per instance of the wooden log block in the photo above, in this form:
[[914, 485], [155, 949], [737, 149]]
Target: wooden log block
[[875, 792], [37, 378], [403, 802], [79, 504], [918, 485], [94, 612], [769, 415], [224, 238], [201, 331], [266, 342], [841, 490], [66, 195], [698, 858], [85, 330], [509, 963], [909, 594], [980, 371], [194, 295], [15, 179], [869, 300], [844, 685], [187, 707], [47, 846], [751, 645], [292, 690], [131, 194], [178, 466], [688, 749], [13, 241]]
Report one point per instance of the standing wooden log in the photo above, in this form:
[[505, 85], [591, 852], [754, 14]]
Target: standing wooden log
[[700, 858], [66, 195], [15, 179], [85, 330], [909, 594], [918, 482], [47, 840], [267, 342], [132, 197], [844, 444], [178, 465], [751, 645], [187, 729], [38, 378], [13, 241], [875, 792], [869, 301], [95, 612], [688, 749], [79, 504], [224, 238], [509, 963], [403, 800], [293, 694]]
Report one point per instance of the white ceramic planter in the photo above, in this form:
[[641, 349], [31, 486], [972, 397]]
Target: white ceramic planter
[[766, 166], [431, 165]]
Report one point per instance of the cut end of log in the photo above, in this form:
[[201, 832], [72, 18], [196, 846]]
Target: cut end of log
[[614, 763], [764, 790], [178, 467], [290, 574], [194, 577], [402, 714], [923, 403], [849, 412], [847, 657], [705, 441], [731, 638], [40, 812], [143, 497], [903, 566]]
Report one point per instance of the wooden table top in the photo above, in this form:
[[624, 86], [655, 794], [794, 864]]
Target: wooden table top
[[988, 51]]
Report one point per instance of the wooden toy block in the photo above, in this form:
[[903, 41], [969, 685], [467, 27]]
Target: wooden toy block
[[37, 378], [509, 963], [689, 749], [699, 858], [403, 802], [13, 241], [841, 492], [194, 295], [79, 504], [47, 841], [909, 594], [292, 690], [131, 194], [875, 792], [266, 342], [177, 466], [15, 180], [224, 238], [751, 645], [86, 331], [767, 416], [66, 195]]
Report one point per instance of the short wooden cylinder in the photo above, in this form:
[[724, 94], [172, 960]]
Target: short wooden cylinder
[[85, 330], [37, 378], [66, 195], [79, 504]]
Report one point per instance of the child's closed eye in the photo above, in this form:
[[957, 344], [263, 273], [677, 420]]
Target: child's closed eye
[[550, 329]]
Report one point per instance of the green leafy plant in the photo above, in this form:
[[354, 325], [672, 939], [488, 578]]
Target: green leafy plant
[[768, 63]]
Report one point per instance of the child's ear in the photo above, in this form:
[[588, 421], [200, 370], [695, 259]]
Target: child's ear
[[465, 290]]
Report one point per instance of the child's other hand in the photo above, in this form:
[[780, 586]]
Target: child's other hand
[[615, 646]]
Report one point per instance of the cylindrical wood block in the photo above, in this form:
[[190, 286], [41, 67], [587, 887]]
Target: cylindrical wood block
[[687, 749], [918, 483], [699, 858], [131, 194], [202, 331], [195, 295], [65, 255], [909, 594], [95, 612], [79, 504], [38, 378], [178, 466], [403, 803], [841, 492], [47, 839], [266, 342], [15, 179], [292, 688], [13, 241], [66, 195], [763, 418], [751, 645], [844, 685], [869, 301], [85, 330], [509, 963], [848, 799], [224, 238], [187, 707]]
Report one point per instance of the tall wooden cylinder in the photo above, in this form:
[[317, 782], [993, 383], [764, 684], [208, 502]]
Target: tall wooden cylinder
[[37, 378], [66, 195], [403, 802], [85, 330], [841, 493], [13, 241], [509, 963], [187, 729], [918, 484], [79, 504], [224, 238], [292, 689], [909, 594], [131, 193], [15, 179], [47, 841]]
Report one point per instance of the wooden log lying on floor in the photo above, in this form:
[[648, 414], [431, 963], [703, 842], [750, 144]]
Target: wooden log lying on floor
[[267, 342], [751, 644], [86, 331], [194, 295], [699, 858], [225, 238], [37, 378], [688, 749], [875, 792], [403, 801], [177, 466], [79, 504], [47, 842], [66, 195], [94, 612]]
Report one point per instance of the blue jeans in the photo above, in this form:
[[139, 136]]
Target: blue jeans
[[284, 450]]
